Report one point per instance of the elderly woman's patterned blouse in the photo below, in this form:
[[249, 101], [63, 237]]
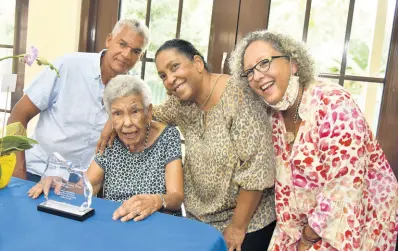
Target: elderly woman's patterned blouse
[[130, 173], [335, 177], [232, 150]]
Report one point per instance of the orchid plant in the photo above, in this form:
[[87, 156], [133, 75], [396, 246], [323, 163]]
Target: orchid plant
[[31, 57], [13, 137]]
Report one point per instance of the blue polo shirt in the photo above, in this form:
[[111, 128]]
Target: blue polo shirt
[[72, 114]]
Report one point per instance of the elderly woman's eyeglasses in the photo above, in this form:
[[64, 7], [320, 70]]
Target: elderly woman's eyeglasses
[[262, 66]]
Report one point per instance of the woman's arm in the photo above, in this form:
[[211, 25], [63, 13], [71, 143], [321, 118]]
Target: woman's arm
[[174, 185], [247, 202], [251, 135], [344, 146], [95, 174]]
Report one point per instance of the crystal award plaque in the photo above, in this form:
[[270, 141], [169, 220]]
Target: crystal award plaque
[[69, 190]]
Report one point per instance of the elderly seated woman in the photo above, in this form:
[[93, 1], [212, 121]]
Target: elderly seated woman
[[143, 169]]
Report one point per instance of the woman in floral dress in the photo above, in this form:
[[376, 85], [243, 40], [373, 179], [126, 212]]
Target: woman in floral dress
[[335, 189]]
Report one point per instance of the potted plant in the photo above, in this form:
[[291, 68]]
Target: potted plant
[[14, 141], [13, 136]]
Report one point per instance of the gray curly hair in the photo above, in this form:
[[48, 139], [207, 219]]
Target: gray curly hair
[[123, 86], [285, 44]]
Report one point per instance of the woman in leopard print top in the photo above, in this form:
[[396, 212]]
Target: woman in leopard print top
[[229, 162]]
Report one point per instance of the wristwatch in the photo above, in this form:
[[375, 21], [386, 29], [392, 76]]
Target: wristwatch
[[163, 202]]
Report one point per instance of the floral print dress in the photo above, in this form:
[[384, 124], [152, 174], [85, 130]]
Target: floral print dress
[[335, 177]]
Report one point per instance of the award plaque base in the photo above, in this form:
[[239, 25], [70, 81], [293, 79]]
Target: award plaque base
[[65, 210]]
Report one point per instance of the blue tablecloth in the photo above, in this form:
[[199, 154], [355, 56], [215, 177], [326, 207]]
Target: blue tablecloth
[[22, 227]]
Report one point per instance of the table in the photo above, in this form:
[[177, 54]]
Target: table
[[25, 228]]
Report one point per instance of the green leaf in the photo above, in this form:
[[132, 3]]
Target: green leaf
[[11, 150], [15, 143], [18, 139]]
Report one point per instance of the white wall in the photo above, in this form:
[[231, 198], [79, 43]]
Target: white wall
[[53, 27]]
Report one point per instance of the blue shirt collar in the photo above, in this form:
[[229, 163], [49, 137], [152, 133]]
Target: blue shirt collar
[[97, 64]]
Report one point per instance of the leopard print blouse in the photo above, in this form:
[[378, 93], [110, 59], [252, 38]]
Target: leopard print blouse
[[232, 150]]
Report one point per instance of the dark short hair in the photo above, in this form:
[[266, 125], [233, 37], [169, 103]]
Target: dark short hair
[[183, 47]]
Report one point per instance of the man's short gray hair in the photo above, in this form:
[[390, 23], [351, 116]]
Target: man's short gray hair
[[283, 43], [137, 26], [124, 86]]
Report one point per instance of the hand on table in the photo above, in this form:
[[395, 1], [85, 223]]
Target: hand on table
[[138, 207], [44, 185], [234, 237]]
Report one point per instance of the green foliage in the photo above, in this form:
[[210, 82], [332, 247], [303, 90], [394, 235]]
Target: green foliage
[[360, 53], [15, 143]]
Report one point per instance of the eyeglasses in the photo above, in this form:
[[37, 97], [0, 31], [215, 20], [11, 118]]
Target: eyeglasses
[[262, 66]]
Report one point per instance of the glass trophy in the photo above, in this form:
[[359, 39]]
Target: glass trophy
[[69, 190]]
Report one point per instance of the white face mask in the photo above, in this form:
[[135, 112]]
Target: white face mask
[[289, 97]]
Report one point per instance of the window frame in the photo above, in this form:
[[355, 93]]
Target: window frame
[[19, 47], [341, 76], [230, 22]]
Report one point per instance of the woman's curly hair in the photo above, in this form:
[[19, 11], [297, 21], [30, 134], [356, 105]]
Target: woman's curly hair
[[285, 44]]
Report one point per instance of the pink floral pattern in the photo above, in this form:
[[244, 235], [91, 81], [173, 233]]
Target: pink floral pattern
[[335, 177]]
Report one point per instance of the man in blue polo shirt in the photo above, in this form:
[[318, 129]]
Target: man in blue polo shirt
[[72, 114]]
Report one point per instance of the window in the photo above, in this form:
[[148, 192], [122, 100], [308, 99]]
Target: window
[[348, 39], [168, 19], [7, 17]]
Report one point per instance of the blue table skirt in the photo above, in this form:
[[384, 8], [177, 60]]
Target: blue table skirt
[[22, 227]]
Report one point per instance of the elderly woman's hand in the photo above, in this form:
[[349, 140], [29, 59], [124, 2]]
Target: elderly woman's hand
[[108, 136], [44, 187], [138, 207]]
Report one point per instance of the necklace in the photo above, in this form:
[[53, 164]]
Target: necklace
[[203, 113], [210, 94], [146, 137], [290, 136]]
